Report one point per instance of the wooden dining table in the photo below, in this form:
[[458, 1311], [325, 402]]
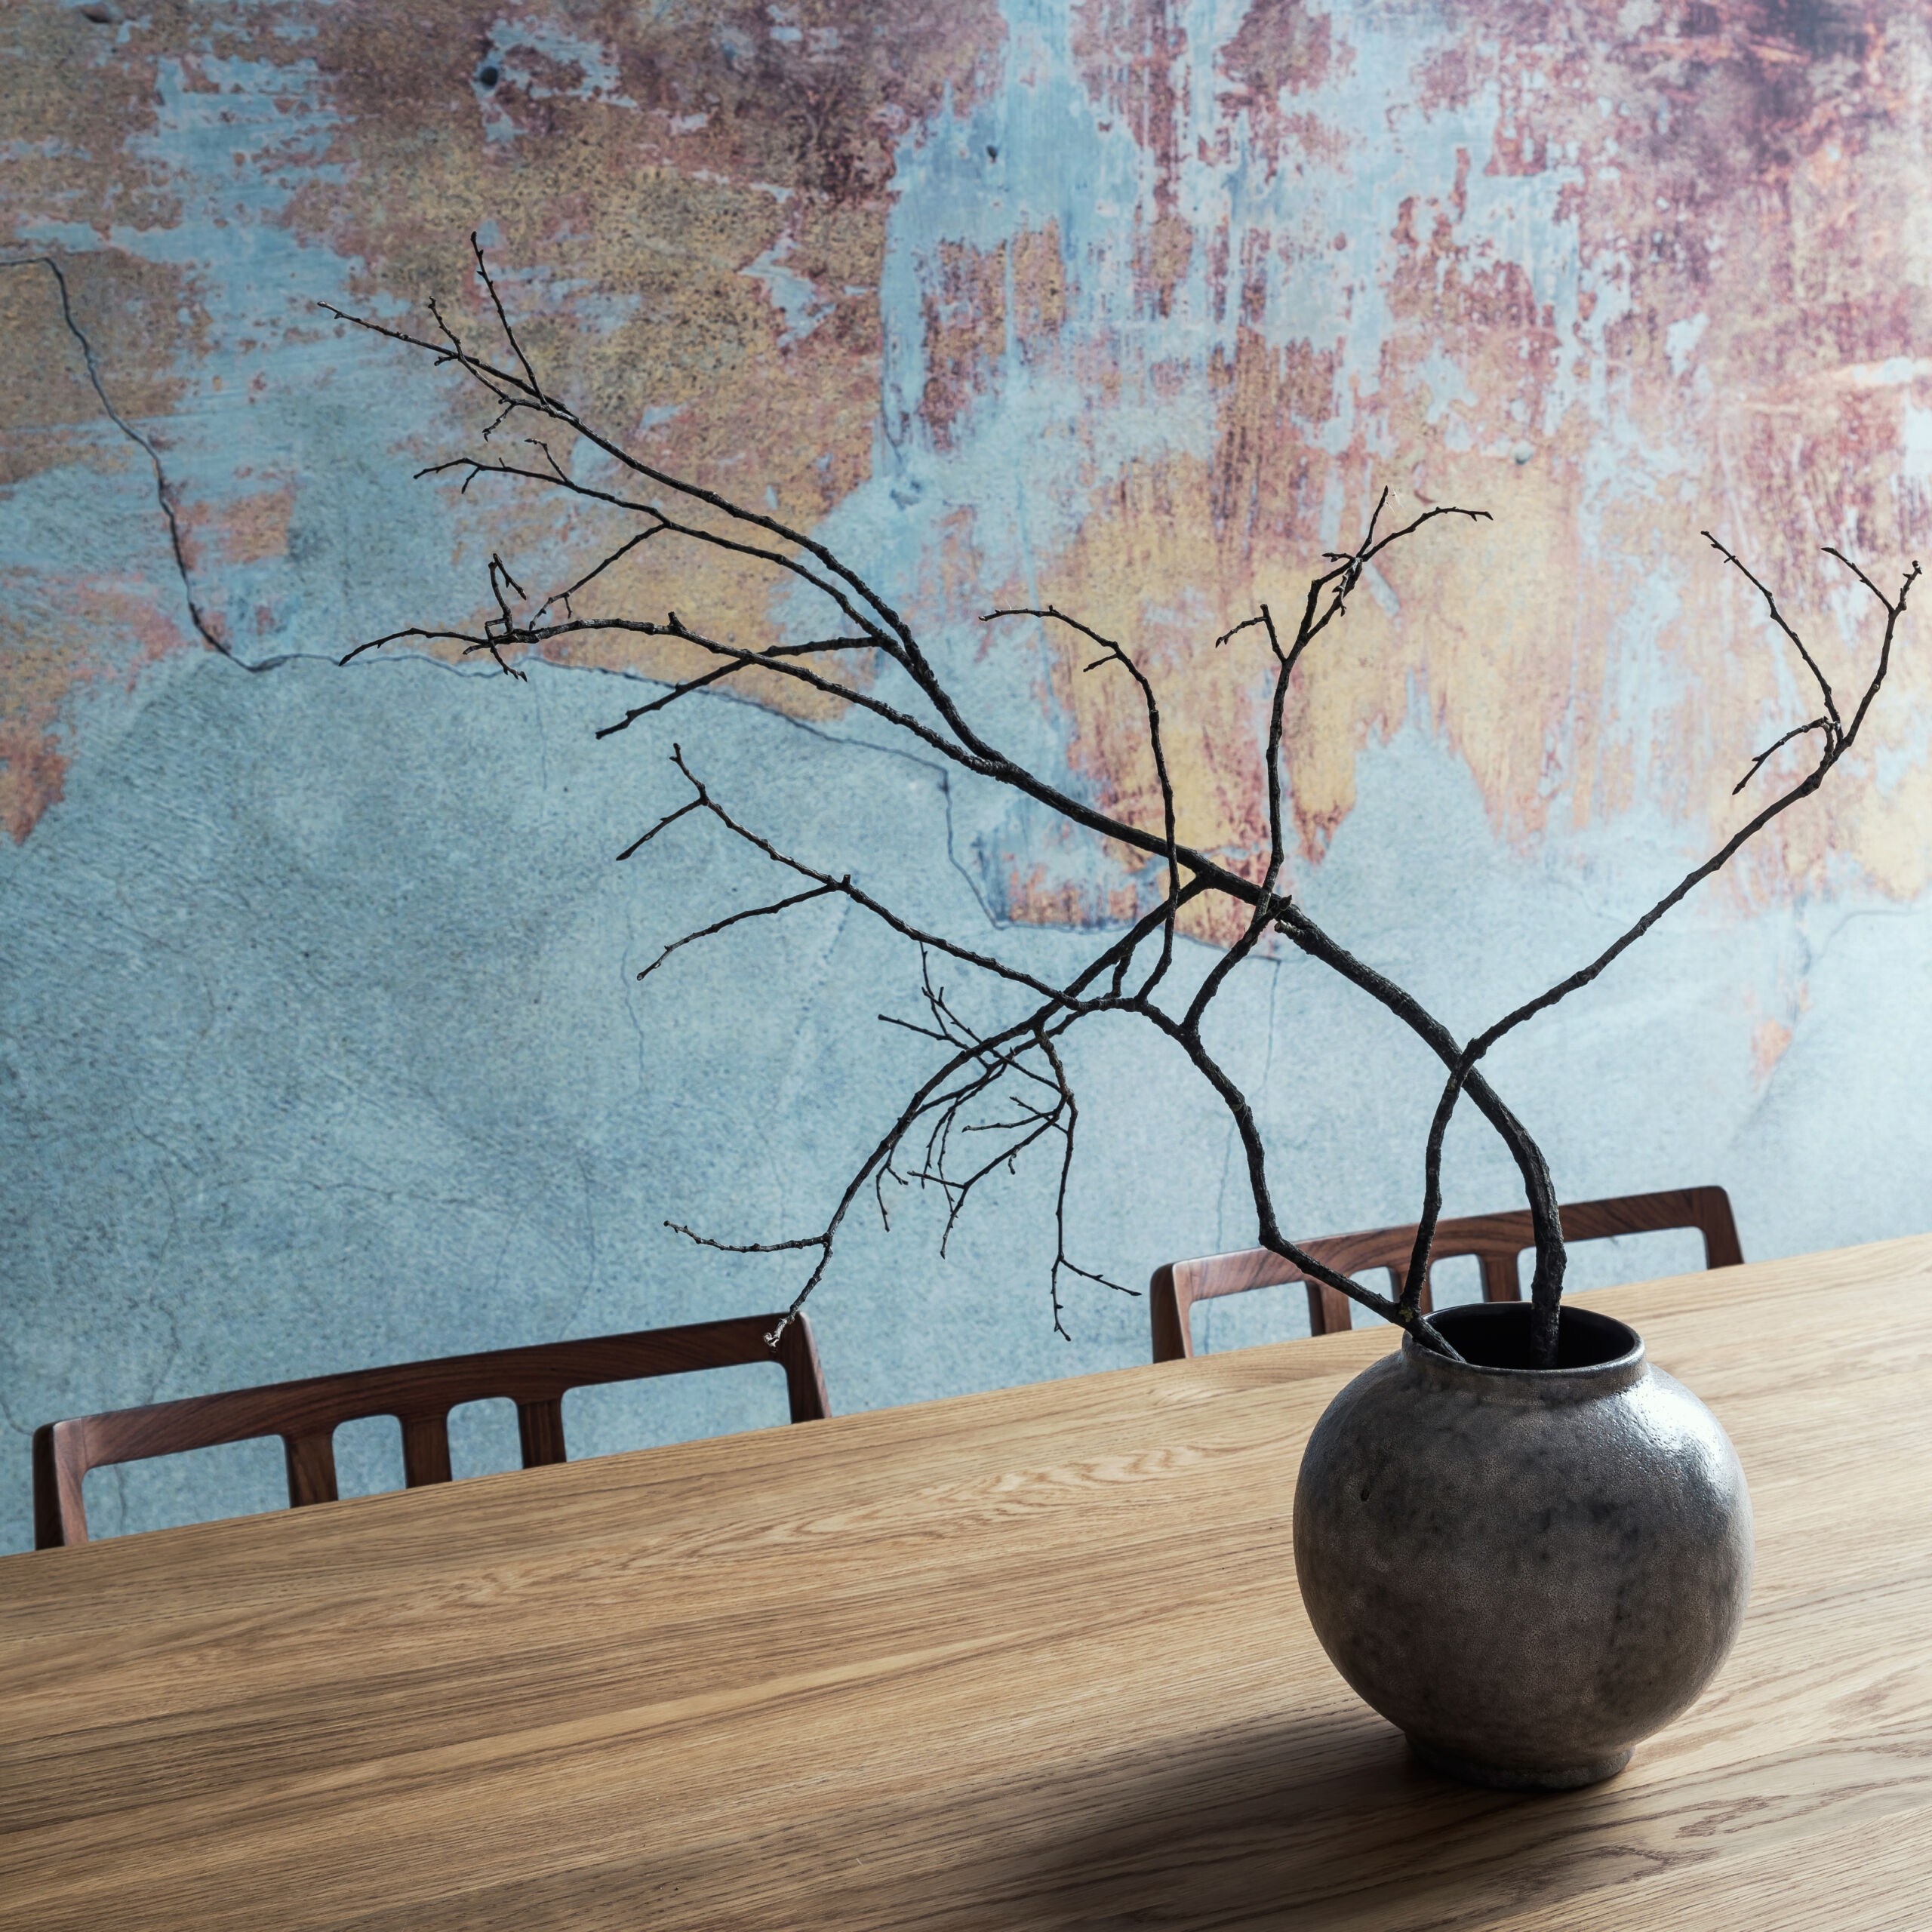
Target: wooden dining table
[[1033, 1658]]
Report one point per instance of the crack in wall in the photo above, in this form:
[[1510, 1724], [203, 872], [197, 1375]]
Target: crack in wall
[[942, 774], [164, 490]]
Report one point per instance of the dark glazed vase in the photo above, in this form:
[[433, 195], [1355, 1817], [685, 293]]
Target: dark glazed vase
[[1527, 1570]]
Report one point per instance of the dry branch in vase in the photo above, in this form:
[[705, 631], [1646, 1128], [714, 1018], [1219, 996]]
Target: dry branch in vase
[[939, 1137]]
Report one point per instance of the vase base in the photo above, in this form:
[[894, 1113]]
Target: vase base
[[1503, 1777]]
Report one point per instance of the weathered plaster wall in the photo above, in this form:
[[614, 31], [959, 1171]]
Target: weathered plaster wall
[[322, 1042]]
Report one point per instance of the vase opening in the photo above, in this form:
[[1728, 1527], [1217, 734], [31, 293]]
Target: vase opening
[[1495, 1334]]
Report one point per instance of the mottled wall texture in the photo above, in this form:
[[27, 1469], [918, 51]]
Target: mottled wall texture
[[323, 1044]]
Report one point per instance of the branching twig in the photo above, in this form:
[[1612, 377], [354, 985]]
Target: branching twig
[[1003, 1089], [1838, 741], [1111, 653]]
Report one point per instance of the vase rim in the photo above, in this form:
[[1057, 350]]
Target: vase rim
[[1614, 1352]]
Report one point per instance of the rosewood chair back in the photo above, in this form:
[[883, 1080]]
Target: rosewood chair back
[[1496, 1240], [306, 1414]]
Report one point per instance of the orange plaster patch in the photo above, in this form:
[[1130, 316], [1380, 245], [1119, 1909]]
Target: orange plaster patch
[[965, 318], [244, 530], [256, 528], [1769, 1039], [1283, 46], [33, 770], [56, 635], [1035, 900]]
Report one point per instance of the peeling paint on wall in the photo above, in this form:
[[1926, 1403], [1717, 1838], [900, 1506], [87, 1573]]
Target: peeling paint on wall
[[1199, 282]]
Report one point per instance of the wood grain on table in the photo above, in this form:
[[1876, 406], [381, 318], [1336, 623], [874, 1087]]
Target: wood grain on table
[[1029, 1658]]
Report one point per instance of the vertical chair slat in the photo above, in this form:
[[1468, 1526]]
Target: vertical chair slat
[[60, 1462], [1500, 1279], [311, 1459], [1719, 1228], [1328, 1310], [426, 1449], [540, 1426], [804, 1379], [1168, 1307]]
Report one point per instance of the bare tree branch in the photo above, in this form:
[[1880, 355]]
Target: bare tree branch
[[1004, 1089], [1837, 742]]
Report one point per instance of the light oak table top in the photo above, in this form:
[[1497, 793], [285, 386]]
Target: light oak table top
[[1024, 1660]]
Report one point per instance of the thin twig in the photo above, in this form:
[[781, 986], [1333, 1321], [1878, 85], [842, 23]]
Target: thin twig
[[735, 919], [1111, 653]]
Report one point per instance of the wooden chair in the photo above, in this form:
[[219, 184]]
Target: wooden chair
[[306, 1414], [1496, 1240]]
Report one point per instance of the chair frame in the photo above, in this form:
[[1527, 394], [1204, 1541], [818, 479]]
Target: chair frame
[[1497, 1241], [306, 1413]]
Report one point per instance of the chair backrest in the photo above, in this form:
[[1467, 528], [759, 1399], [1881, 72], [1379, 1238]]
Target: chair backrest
[[1496, 1240], [306, 1414]]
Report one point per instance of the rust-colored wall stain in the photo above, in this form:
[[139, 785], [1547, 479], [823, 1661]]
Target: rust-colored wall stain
[[1203, 286], [33, 770], [703, 145], [246, 529], [1283, 49], [49, 413], [1742, 191], [56, 634], [1769, 1039]]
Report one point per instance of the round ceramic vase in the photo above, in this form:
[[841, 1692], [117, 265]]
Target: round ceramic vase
[[1527, 1570]]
